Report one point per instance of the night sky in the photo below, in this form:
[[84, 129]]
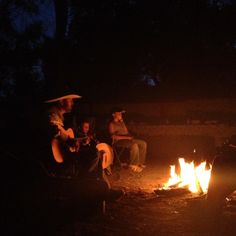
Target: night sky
[[124, 50]]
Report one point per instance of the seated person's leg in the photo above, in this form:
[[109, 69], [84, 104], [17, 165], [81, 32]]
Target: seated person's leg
[[134, 158], [134, 154], [89, 163], [63, 169], [121, 146], [142, 150]]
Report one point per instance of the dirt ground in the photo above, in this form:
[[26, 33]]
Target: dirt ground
[[142, 212]]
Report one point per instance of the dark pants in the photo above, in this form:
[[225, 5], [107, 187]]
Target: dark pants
[[85, 163], [89, 162], [223, 180]]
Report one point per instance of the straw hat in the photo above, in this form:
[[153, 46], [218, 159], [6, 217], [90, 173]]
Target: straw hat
[[60, 93], [69, 96]]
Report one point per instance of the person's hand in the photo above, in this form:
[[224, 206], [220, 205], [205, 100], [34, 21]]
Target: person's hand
[[129, 137], [87, 140], [75, 145]]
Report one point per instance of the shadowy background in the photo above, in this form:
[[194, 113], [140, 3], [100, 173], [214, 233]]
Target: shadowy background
[[112, 52]]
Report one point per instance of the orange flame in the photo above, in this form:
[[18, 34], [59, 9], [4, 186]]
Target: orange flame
[[195, 178]]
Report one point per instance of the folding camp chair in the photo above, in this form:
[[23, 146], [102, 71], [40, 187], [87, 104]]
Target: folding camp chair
[[120, 155]]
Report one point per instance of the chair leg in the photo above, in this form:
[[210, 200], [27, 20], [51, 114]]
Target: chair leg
[[117, 158], [117, 155], [104, 207]]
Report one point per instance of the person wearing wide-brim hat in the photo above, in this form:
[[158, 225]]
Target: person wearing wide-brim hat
[[65, 149], [62, 139], [60, 106], [68, 96]]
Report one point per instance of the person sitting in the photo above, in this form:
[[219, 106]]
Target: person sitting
[[89, 140], [68, 158], [223, 174], [63, 144], [86, 134], [121, 137]]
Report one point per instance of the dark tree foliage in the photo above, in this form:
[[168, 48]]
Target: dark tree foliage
[[190, 45], [19, 50], [107, 48]]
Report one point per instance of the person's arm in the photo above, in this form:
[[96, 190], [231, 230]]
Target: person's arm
[[68, 137], [115, 136]]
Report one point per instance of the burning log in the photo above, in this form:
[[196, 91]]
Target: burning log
[[172, 192], [191, 177], [175, 185]]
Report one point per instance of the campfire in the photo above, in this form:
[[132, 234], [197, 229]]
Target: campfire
[[192, 178]]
